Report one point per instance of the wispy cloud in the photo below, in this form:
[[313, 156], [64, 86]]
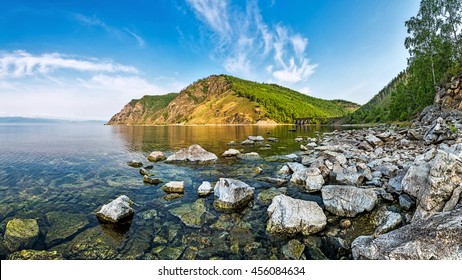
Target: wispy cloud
[[120, 33], [21, 63], [245, 44]]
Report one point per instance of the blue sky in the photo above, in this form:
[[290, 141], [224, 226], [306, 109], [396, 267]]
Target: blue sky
[[86, 59]]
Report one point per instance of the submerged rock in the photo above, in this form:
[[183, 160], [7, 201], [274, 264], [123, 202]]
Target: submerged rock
[[267, 196], [118, 210], [174, 187], [293, 250], [205, 189], [193, 215], [232, 194], [156, 156], [21, 234], [193, 153], [274, 181], [153, 181], [291, 216], [437, 237], [348, 201], [145, 172], [35, 255], [249, 156], [134, 163], [63, 225]]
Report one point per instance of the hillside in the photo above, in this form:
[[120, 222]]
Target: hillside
[[228, 100]]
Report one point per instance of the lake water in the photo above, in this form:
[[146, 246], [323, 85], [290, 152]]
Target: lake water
[[61, 174]]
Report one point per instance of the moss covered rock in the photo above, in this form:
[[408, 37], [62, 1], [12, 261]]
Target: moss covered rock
[[21, 234], [35, 255]]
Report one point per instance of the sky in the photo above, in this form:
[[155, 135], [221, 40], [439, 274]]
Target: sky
[[86, 59]]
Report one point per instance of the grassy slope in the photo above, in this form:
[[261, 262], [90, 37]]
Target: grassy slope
[[154, 103], [282, 104]]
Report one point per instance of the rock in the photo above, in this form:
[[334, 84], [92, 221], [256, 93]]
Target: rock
[[145, 172], [298, 139], [232, 194], [258, 138], [231, 153], [63, 225], [283, 158], [21, 234], [205, 189], [274, 181], [373, 140], [386, 221], [134, 163], [312, 145], [249, 156], [247, 142], [439, 132], [267, 196], [258, 170], [395, 183], [118, 210], [437, 237], [150, 180], [345, 223], [364, 145], [35, 255], [293, 250], [193, 153], [348, 200], [272, 139], [432, 181], [156, 156], [349, 176], [313, 180], [387, 169], [303, 148], [414, 135], [454, 200], [284, 170], [193, 215], [291, 216], [336, 157], [406, 202], [174, 187], [232, 143]]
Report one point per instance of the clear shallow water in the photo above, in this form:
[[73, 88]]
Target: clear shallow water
[[60, 174]]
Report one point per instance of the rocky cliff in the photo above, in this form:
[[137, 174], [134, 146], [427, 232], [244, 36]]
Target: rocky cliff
[[228, 100]]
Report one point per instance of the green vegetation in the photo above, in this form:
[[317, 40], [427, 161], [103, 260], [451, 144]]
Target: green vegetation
[[154, 103], [435, 47], [283, 105]]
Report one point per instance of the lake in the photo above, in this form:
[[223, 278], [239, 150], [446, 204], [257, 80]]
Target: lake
[[61, 174]]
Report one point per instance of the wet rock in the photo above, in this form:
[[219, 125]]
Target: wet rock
[[172, 196], [437, 237], [348, 201], [145, 172], [193, 215], [232, 194], [406, 202], [150, 180], [193, 153], [134, 163], [174, 187], [156, 156], [267, 195], [258, 170], [272, 139], [205, 189], [247, 142], [171, 253], [373, 140], [291, 216], [349, 176], [386, 221], [35, 255], [258, 138], [63, 225], [293, 250], [231, 153], [118, 210], [249, 156], [21, 234]]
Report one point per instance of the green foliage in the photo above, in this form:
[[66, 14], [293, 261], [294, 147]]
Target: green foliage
[[435, 50], [283, 105], [155, 103]]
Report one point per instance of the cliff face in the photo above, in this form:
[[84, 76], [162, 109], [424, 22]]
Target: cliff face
[[227, 100]]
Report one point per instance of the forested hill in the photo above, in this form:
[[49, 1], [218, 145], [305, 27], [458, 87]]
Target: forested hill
[[434, 43], [222, 99]]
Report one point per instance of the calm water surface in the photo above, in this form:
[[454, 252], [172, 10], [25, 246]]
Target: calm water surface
[[60, 174]]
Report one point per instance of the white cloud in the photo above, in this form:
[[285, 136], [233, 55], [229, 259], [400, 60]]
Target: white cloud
[[245, 44], [138, 38], [33, 85], [21, 63]]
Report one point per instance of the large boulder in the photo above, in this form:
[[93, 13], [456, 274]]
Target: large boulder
[[193, 153], [232, 194], [432, 180], [156, 156], [348, 201], [349, 176], [438, 237], [63, 225], [118, 210], [313, 181], [21, 234], [290, 216]]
